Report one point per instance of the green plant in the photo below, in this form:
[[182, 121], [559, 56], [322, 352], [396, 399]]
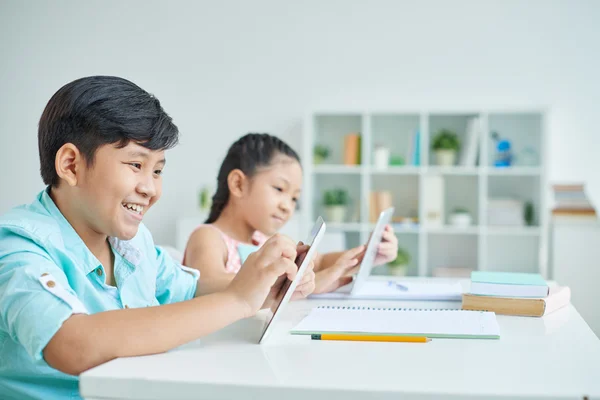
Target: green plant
[[321, 151], [396, 160], [445, 139], [460, 210], [335, 197], [204, 199], [529, 213], [403, 258]]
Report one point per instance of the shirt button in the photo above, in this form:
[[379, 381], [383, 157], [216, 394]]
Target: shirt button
[[50, 284], [99, 271]]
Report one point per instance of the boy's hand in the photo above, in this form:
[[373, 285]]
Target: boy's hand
[[261, 276], [307, 284], [388, 248], [340, 273]]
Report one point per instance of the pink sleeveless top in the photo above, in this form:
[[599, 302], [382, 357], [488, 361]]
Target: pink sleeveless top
[[234, 261]]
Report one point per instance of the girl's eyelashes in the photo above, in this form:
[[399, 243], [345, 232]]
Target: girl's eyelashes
[[281, 190], [158, 172]]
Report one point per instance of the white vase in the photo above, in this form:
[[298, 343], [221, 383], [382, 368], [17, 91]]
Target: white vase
[[335, 213], [461, 220], [445, 157], [381, 157], [397, 270]]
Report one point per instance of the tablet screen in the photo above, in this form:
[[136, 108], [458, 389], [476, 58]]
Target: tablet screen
[[284, 288], [287, 287], [367, 262]]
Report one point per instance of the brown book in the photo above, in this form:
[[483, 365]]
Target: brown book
[[568, 188], [574, 211], [373, 213], [384, 201], [352, 149], [526, 307], [379, 201]]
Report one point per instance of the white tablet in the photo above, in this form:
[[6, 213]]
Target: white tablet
[[288, 287], [367, 262]]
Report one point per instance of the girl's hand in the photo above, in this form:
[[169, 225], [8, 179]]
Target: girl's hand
[[330, 278], [388, 248]]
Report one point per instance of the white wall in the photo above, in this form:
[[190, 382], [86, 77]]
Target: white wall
[[224, 68]]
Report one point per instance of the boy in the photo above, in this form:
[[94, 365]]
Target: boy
[[79, 273]]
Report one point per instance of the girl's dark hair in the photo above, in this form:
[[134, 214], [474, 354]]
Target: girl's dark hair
[[97, 110], [247, 154]]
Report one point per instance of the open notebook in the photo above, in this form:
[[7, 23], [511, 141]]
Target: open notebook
[[432, 323], [400, 290]]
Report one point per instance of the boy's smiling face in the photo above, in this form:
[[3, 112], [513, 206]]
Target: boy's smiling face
[[118, 189]]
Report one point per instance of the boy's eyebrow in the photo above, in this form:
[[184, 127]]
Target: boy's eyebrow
[[138, 153], [145, 155]]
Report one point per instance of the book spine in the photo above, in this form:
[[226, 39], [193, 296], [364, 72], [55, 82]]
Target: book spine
[[351, 149]]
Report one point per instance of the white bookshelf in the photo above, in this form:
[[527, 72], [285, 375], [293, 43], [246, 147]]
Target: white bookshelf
[[480, 246]]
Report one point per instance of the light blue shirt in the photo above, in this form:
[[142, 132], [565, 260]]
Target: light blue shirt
[[47, 274]]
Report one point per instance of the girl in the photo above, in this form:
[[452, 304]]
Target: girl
[[258, 187]]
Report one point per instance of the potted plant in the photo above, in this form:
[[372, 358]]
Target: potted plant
[[445, 145], [460, 217], [320, 154], [398, 266], [335, 202], [204, 199], [529, 214]]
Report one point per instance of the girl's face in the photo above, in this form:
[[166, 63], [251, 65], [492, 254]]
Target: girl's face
[[272, 194]]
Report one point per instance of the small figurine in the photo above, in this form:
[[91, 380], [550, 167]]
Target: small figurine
[[504, 155]]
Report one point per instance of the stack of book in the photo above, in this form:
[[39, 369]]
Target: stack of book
[[378, 202], [572, 204], [511, 293]]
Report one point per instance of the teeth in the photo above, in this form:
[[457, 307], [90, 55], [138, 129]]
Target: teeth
[[134, 207]]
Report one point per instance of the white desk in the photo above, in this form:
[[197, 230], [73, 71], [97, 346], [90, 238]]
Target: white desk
[[557, 356]]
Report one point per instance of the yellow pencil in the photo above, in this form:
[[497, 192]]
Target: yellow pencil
[[371, 338]]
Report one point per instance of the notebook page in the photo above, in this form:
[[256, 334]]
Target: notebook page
[[409, 290], [422, 322], [401, 290]]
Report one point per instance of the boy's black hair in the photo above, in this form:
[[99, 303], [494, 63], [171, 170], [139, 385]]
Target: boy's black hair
[[247, 154], [98, 110]]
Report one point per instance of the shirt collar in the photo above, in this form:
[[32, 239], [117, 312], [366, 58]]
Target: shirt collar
[[72, 241]]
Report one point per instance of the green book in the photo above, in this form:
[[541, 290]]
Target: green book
[[508, 284]]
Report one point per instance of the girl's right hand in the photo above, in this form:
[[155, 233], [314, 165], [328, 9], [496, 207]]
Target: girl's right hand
[[261, 272], [339, 274]]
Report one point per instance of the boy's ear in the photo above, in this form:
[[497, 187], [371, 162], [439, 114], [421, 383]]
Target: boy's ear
[[236, 180], [68, 163]]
